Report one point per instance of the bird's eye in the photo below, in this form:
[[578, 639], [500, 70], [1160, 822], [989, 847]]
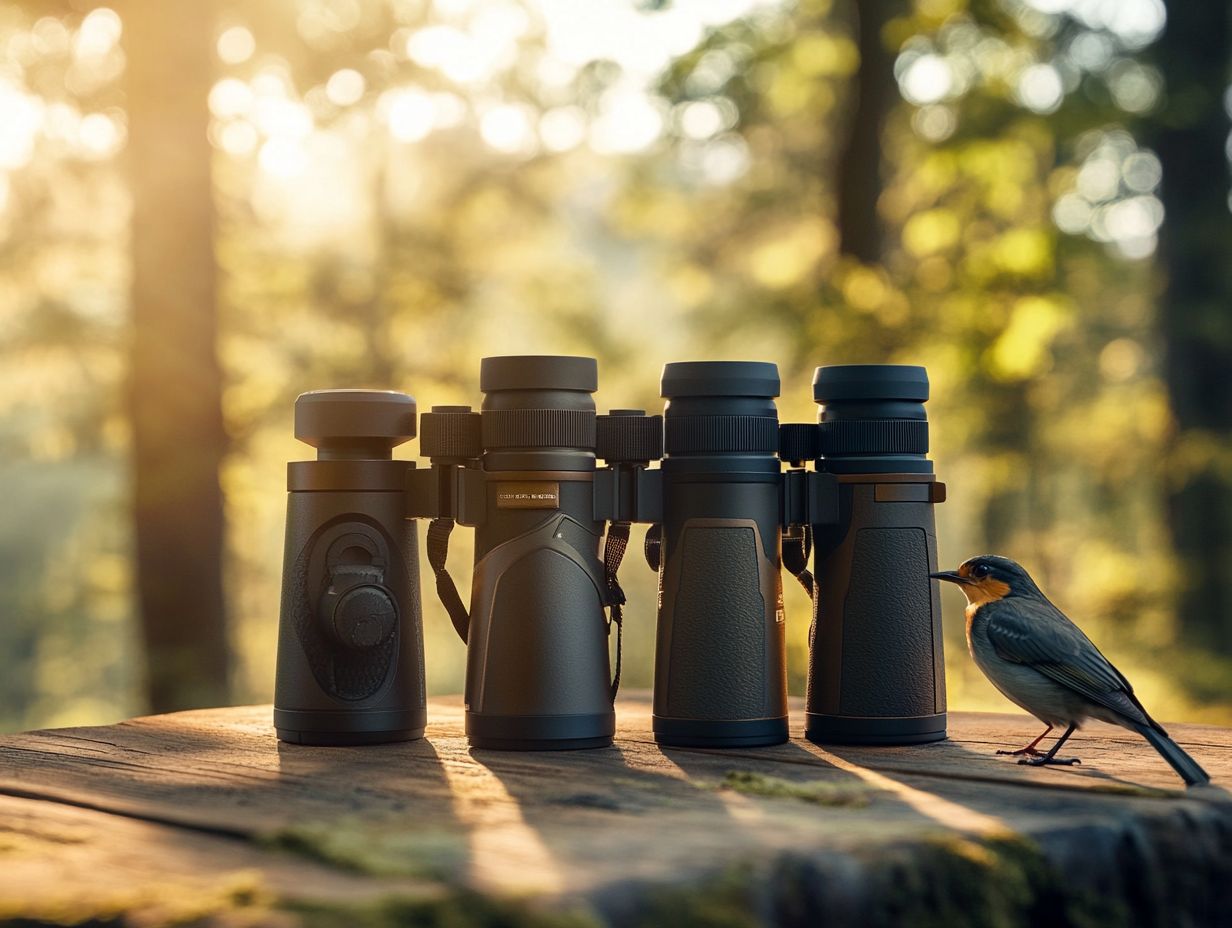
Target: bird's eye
[[979, 571]]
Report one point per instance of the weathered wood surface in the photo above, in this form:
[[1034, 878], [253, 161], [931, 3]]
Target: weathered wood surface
[[203, 818]]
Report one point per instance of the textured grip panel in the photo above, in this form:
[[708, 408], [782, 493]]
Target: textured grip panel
[[344, 674], [538, 642], [887, 667], [718, 648]]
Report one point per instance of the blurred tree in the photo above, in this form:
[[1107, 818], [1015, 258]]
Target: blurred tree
[[401, 187], [174, 380], [874, 95], [1016, 213], [1190, 135]]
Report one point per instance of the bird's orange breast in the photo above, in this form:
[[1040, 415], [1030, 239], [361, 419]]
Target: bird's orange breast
[[980, 594]]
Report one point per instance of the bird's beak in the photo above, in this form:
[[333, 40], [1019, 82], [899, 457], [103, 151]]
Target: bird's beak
[[951, 576]]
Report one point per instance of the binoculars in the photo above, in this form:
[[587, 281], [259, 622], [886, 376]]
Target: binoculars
[[851, 517]]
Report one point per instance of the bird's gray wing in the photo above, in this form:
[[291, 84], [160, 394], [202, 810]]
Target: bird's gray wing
[[1038, 635]]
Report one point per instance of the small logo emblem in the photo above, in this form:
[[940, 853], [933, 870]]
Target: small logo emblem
[[537, 495]]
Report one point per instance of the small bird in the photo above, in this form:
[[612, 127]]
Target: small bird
[[1040, 660]]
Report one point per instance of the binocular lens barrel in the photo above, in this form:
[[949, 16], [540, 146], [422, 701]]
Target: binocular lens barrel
[[720, 658], [350, 638], [872, 418], [876, 667], [538, 674]]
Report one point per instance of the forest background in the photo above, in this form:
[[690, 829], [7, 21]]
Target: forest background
[[207, 208]]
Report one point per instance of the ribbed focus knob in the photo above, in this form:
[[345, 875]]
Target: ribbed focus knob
[[450, 433], [798, 442], [721, 434], [873, 436], [629, 436], [539, 428]]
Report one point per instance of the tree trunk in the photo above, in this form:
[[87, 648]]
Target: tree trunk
[[1196, 312], [859, 169], [175, 382]]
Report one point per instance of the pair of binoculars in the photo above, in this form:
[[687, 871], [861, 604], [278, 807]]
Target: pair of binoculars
[[551, 528]]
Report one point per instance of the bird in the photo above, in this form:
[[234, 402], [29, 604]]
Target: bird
[[1040, 660]]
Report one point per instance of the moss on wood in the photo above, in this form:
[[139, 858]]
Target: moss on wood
[[453, 909], [815, 792], [237, 901], [373, 849], [947, 882]]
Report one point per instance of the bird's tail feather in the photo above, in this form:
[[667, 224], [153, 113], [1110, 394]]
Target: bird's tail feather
[[1172, 752]]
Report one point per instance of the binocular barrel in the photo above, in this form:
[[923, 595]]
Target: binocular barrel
[[350, 639], [720, 657], [537, 669], [876, 670], [522, 472]]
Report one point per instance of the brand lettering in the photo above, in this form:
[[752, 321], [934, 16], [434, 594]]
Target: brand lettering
[[527, 495]]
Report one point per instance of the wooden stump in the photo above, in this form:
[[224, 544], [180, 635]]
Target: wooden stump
[[204, 818]]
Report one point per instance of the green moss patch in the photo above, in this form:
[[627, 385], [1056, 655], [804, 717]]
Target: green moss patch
[[455, 909], [375, 849], [815, 792]]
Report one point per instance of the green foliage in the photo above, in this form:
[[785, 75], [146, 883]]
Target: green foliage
[[390, 236]]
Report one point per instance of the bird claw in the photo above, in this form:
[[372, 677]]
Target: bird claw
[[1044, 761]]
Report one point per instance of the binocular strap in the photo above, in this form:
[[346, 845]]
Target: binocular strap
[[797, 549], [439, 531], [613, 553]]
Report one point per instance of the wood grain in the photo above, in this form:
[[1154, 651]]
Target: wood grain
[[244, 828]]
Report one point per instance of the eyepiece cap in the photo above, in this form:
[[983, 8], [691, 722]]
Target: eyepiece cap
[[538, 372], [377, 418], [720, 378], [836, 383]]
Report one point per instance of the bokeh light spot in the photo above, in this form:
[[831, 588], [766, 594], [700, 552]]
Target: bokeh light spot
[[1040, 88], [236, 45], [927, 79], [345, 87]]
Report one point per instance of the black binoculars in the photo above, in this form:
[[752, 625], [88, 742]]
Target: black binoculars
[[350, 636], [552, 527]]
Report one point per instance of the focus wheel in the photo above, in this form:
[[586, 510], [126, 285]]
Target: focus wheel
[[450, 434], [358, 617], [629, 436]]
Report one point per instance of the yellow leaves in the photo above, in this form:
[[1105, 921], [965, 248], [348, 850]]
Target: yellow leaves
[[691, 285], [802, 82], [1024, 252], [1121, 360], [1199, 453], [864, 289], [818, 54], [788, 257], [1005, 160], [931, 231], [867, 290], [109, 573], [791, 92], [939, 10], [1022, 350]]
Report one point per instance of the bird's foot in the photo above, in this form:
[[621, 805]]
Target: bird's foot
[[1030, 752], [1045, 761]]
